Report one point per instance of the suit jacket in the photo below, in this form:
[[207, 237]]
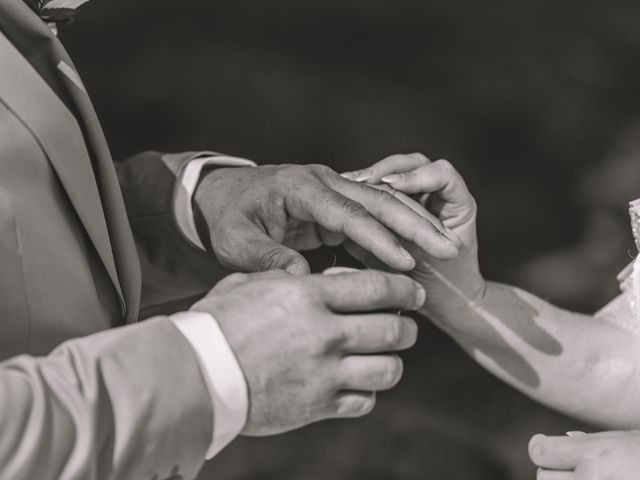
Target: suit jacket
[[86, 246]]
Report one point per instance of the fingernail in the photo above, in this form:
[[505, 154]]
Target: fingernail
[[448, 240], [362, 175], [348, 175], [391, 178], [452, 236], [294, 269], [408, 256], [576, 433], [421, 296]]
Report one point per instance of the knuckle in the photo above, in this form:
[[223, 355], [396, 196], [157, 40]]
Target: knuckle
[[270, 258], [332, 338], [354, 210], [446, 167], [419, 156], [292, 175], [237, 277], [393, 334], [321, 170], [379, 281], [382, 196]]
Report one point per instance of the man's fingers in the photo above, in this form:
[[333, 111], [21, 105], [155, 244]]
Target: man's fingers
[[236, 279], [557, 453], [370, 372], [403, 220], [410, 202], [554, 475], [253, 250], [230, 282], [377, 333], [387, 166], [329, 238], [364, 257], [348, 217], [354, 404], [367, 291]]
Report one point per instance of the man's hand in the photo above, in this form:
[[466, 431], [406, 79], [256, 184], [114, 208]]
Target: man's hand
[[314, 347], [260, 218], [606, 456]]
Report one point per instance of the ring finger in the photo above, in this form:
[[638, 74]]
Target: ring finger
[[371, 372]]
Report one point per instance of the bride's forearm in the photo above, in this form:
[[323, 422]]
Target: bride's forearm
[[571, 362]]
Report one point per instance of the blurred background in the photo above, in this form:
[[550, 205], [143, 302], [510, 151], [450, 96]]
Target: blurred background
[[536, 103]]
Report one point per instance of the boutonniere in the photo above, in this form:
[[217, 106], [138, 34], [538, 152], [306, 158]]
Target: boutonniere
[[55, 11]]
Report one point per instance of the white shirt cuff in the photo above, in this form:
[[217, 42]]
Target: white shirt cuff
[[186, 187], [223, 376]]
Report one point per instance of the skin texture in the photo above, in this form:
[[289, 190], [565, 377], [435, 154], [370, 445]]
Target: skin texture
[[578, 364], [601, 456], [314, 347], [260, 218]]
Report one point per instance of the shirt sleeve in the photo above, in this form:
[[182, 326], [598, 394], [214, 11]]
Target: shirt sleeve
[[188, 181], [222, 373]]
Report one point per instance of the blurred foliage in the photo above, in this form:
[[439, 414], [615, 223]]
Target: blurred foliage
[[535, 101]]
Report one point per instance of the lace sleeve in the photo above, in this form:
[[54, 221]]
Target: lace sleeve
[[634, 212], [624, 310]]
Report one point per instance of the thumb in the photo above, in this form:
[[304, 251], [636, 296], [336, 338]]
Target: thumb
[[267, 254], [252, 250]]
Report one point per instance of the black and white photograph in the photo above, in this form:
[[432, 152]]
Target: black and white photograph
[[319, 240]]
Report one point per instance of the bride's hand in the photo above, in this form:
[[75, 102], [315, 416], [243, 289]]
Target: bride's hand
[[599, 455], [436, 185], [438, 192]]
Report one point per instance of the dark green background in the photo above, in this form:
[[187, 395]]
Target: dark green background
[[536, 102]]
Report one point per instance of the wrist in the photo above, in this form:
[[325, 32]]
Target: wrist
[[211, 182], [453, 286], [207, 201]]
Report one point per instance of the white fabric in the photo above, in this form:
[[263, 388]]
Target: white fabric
[[634, 211], [624, 310], [224, 377], [187, 183]]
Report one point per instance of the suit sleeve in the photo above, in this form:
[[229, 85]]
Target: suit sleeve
[[129, 403], [175, 273]]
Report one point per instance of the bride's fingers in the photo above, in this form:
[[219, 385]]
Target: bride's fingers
[[411, 203], [392, 164], [554, 475], [439, 176]]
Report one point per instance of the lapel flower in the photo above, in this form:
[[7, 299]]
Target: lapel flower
[[55, 11]]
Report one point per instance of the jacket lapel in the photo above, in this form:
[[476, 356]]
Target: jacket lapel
[[126, 260], [95, 195]]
